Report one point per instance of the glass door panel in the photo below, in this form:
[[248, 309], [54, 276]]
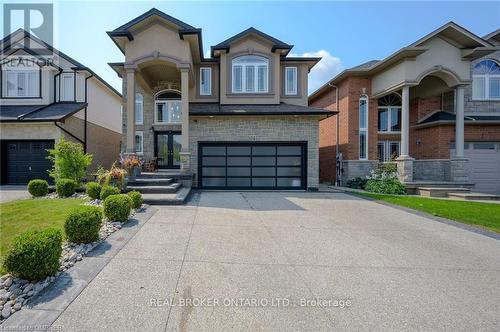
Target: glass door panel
[[162, 150], [176, 149]]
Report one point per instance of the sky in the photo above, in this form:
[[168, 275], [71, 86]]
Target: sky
[[345, 34]]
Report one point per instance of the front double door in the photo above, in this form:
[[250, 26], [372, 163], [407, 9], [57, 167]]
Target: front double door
[[168, 148]]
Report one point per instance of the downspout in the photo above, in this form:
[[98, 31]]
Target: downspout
[[59, 87], [85, 116], [337, 180]]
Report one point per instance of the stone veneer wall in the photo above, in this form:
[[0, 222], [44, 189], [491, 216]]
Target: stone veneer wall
[[475, 106], [357, 168], [263, 129], [431, 170]]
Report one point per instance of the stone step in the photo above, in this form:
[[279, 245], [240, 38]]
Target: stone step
[[474, 196], [150, 181], [179, 198], [154, 175], [155, 189], [439, 191]]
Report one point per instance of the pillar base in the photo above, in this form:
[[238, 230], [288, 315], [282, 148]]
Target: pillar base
[[459, 169], [185, 161], [405, 168]]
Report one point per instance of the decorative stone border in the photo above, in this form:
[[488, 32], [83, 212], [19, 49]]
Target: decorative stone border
[[16, 292]]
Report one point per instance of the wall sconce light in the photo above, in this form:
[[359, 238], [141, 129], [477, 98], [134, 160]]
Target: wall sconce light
[[419, 142]]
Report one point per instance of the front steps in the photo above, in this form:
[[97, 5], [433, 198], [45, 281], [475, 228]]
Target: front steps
[[439, 191], [160, 188], [474, 196]]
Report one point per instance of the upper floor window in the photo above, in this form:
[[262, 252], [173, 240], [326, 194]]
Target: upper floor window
[[205, 81], [168, 107], [250, 74], [363, 127], [21, 83], [389, 113], [139, 108], [486, 80], [67, 87], [290, 80]]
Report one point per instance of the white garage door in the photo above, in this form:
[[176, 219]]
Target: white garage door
[[484, 158]]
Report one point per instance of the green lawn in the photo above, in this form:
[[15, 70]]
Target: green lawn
[[19, 216], [485, 215]]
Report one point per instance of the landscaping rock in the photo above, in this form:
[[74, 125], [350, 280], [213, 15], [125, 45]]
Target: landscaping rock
[[8, 282], [6, 311]]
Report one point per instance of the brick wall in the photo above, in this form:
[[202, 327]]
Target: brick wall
[[265, 129], [350, 90]]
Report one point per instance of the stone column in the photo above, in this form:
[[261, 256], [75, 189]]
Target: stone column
[[459, 165], [404, 161], [185, 153], [130, 109], [459, 122], [405, 122]]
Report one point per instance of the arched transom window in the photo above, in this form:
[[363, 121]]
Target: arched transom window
[[250, 74], [389, 113], [486, 80], [168, 107]]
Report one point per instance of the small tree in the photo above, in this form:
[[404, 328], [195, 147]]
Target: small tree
[[69, 161]]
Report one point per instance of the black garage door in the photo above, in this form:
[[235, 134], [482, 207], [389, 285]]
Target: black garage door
[[252, 165], [25, 160]]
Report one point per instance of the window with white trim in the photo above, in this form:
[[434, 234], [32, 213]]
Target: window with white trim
[[139, 108], [168, 107], [363, 127], [486, 80], [250, 74], [67, 87], [389, 114], [205, 81], [21, 82], [290, 81], [139, 142], [388, 150]]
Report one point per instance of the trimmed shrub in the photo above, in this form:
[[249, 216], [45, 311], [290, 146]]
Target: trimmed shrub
[[387, 186], [357, 183], [136, 198], [83, 224], [117, 207], [93, 190], [65, 187], [35, 254], [38, 188], [108, 191]]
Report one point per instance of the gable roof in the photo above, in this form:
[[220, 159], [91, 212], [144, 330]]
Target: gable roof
[[277, 44], [495, 35], [450, 31], [153, 12], [7, 43]]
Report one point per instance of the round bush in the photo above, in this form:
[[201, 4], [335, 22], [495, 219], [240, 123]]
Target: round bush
[[65, 187], [35, 254], [136, 198], [38, 188], [388, 186], [108, 191], [93, 190], [117, 207], [83, 224]]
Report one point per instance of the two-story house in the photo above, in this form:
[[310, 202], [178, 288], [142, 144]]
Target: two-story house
[[236, 120], [433, 107], [46, 95]]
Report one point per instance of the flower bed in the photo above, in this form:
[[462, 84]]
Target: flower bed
[[16, 292]]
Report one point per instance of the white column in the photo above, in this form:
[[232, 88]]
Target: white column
[[405, 123], [459, 122], [130, 106], [185, 108]]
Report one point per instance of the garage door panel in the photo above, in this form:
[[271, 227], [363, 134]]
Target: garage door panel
[[252, 165], [25, 160], [484, 164]]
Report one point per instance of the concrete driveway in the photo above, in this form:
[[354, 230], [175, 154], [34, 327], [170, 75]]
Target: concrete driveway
[[292, 261], [13, 192]]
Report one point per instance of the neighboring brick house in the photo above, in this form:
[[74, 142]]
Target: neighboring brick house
[[408, 104], [46, 95], [236, 120]]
